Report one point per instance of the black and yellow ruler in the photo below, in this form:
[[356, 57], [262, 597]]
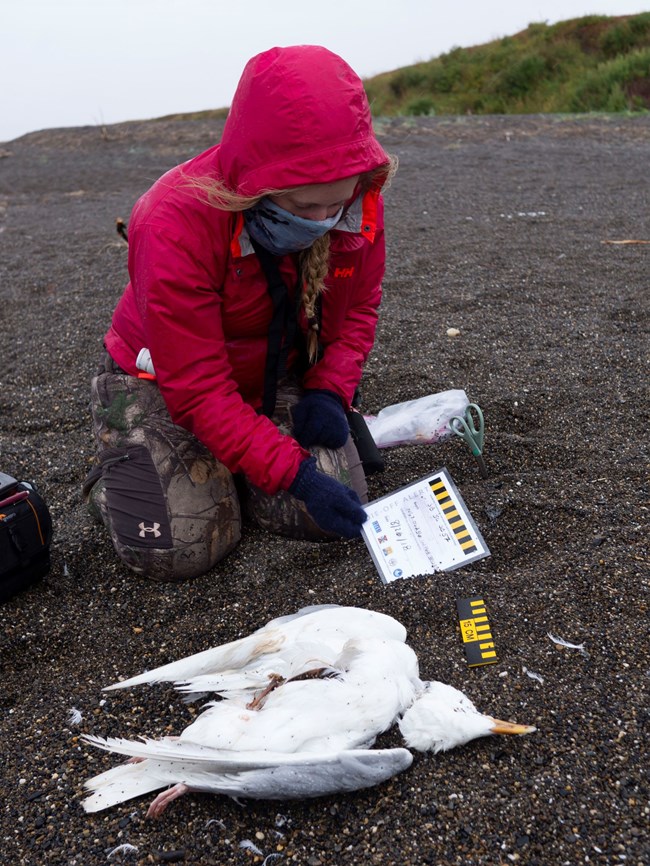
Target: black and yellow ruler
[[476, 631], [450, 508]]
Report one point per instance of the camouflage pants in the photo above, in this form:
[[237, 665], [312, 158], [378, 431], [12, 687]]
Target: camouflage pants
[[171, 508]]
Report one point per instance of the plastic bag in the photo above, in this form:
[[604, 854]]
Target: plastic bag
[[417, 422]]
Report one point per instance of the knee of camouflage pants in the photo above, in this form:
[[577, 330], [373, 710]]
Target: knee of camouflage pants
[[284, 514], [170, 507]]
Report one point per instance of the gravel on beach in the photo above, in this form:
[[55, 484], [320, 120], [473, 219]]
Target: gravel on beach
[[499, 227]]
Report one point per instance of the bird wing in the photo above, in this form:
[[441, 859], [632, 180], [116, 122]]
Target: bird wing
[[260, 775], [184, 752], [234, 655], [330, 625], [316, 776], [294, 660]]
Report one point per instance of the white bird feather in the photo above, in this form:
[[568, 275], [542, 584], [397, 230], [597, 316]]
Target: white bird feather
[[282, 729], [322, 629]]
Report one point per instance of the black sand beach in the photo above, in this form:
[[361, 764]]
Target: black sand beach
[[497, 227]]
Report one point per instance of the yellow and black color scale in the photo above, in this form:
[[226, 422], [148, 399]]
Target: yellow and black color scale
[[456, 522], [476, 631]]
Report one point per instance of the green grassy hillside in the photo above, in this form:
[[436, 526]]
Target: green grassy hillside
[[596, 63]]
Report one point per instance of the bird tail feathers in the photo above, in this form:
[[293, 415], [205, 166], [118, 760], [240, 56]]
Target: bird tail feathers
[[121, 783]]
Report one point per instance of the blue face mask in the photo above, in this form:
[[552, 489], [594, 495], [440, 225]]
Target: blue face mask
[[281, 232]]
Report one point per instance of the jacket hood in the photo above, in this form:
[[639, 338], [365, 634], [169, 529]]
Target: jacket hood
[[300, 115]]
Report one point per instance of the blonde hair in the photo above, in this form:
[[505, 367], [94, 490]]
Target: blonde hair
[[313, 262]]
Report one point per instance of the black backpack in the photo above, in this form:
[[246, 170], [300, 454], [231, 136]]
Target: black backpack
[[25, 536]]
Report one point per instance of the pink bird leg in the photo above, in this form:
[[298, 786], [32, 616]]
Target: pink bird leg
[[160, 803]]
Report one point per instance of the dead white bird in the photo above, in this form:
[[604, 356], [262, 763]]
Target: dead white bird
[[301, 702]]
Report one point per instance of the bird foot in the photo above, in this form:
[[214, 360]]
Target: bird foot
[[160, 803], [275, 680]]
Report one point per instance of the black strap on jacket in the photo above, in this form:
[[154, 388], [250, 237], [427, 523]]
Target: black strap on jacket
[[284, 321], [282, 331]]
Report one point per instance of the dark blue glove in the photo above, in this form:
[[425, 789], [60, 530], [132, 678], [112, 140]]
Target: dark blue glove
[[333, 506], [319, 419]]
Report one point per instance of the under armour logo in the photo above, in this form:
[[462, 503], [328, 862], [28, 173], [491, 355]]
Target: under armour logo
[[144, 529]]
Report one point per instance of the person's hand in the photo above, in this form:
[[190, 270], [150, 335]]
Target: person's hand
[[334, 507], [319, 419]]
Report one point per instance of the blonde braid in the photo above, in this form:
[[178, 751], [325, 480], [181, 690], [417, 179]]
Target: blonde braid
[[314, 265], [314, 262]]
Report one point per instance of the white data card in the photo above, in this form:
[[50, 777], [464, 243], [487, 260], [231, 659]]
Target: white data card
[[422, 528]]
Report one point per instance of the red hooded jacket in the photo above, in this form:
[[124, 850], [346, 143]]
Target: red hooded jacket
[[197, 297]]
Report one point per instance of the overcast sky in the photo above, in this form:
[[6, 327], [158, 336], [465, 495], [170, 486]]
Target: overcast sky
[[89, 62]]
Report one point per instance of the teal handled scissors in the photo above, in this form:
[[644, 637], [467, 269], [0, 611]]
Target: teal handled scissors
[[471, 429]]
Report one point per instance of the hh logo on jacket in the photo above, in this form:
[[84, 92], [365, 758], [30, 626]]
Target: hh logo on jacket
[[344, 272]]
